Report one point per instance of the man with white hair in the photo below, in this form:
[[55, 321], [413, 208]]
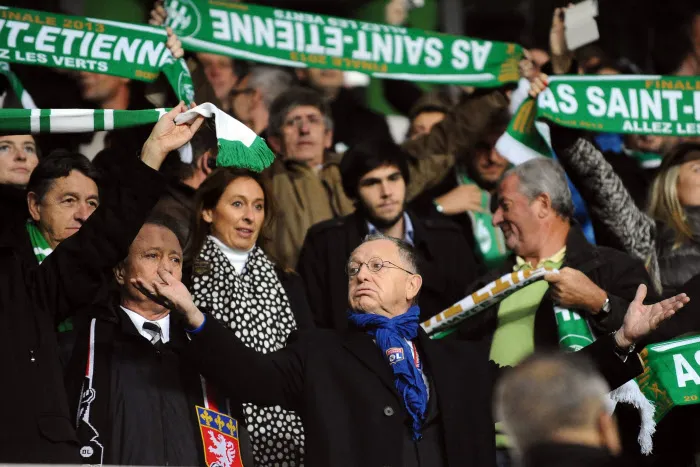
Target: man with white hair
[[554, 409], [535, 213], [383, 393], [250, 102]]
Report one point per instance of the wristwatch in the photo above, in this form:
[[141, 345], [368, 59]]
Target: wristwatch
[[619, 351], [606, 306]]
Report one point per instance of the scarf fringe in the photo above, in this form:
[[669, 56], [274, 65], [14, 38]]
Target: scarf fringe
[[257, 157], [629, 393]]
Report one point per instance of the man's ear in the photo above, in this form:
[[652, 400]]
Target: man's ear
[[119, 273], [205, 163], [545, 205], [328, 139], [413, 285], [34, 206], [275, 144]]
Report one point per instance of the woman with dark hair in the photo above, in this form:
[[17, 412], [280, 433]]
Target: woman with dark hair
[[241, 286]]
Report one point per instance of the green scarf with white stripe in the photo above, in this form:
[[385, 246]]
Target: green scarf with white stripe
[[239, 146], [40, 246], [489, 239], [42, 250], [16, 85]]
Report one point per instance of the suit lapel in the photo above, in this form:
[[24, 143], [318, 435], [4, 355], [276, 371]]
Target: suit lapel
[[366, 351]]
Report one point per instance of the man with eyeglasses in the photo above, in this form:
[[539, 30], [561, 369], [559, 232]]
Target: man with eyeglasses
[[375, 176], [383, 393]]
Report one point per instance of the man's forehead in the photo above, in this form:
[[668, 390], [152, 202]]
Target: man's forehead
[[384, 249], [75, 182], [152, 236], [301, 110]]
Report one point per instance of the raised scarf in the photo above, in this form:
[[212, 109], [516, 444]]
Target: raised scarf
[[239, 146], [635, 104], [78, 43], [391, 336]]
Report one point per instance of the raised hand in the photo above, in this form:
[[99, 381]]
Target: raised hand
[[538, 84], [527, 67], [166, 136], [171, 293], [395, 12], [173, 44], [158, 14], [641, 319], [561, 55]]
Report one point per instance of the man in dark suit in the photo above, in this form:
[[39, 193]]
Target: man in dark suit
[[34, 422], [133, 347], [554, 409], [383, 394], [375, 176]]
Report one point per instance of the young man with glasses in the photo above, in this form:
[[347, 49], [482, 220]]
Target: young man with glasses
[[375, 176]]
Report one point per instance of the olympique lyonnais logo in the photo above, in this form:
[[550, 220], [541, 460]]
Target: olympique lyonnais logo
[[394, 354]]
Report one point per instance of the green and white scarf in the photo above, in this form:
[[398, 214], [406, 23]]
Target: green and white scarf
[[42, 250], [88, 44], [295, 39], [489, 239], [671, 375], [16, 85], [40, 246], [573, 331], [636, 104], [239, 146]]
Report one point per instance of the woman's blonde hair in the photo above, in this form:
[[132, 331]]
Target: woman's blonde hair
[[664, 205]]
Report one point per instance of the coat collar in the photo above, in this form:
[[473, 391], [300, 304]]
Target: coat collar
[[364, 348]]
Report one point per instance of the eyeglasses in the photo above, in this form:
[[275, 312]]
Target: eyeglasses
[[374, 265], [298, 121]]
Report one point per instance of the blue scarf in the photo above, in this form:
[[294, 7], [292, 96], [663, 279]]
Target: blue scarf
[[391, 335]]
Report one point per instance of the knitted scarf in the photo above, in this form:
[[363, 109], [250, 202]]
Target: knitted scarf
[[239, 146], [41, 247], [392, 336], [489, 239]]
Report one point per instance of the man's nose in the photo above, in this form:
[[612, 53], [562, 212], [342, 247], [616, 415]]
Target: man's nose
[[83, 212]]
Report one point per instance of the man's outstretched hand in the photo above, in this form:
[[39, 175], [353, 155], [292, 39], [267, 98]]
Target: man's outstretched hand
[[641, 319], [166, 136]]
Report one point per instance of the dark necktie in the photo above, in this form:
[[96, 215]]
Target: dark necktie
[[154, 331]]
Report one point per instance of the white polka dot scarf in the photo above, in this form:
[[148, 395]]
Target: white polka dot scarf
[[255, 306]]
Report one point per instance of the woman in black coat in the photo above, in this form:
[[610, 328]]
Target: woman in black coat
[[240, 286]]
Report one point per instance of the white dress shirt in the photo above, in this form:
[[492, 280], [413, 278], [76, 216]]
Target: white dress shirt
[[138, 320]]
